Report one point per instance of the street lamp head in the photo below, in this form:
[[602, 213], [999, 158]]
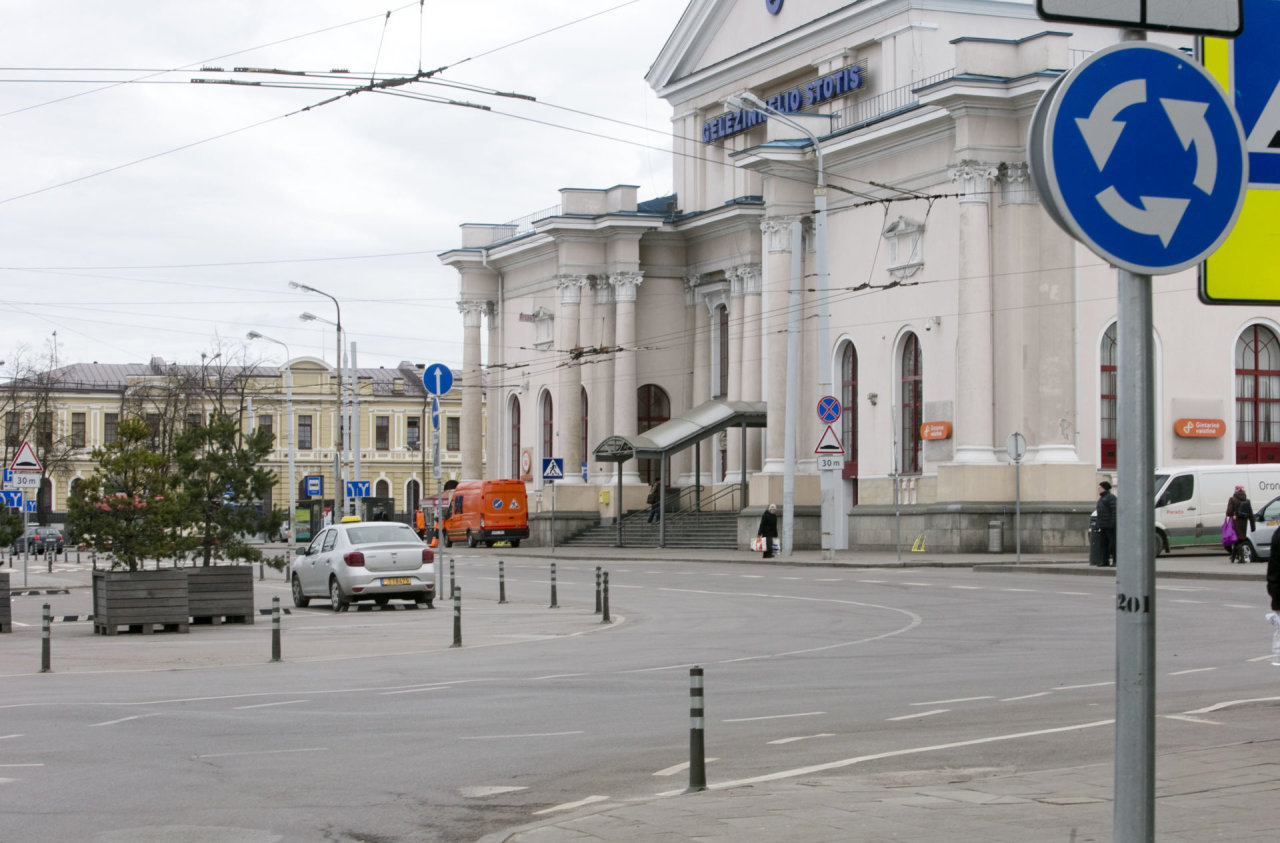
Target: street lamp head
[[253, 335], [307, 317], [746, 101], [295, 285]]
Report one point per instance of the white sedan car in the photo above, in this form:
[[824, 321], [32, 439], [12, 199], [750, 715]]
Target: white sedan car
[[364, 560]]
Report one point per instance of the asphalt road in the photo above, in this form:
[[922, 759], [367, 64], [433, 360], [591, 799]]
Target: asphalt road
[[374, 728]]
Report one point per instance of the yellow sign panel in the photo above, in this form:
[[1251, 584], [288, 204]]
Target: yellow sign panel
[[1244, 270]]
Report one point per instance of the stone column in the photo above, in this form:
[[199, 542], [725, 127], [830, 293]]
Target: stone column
[[701, 341], [974, 427], [776, 302], [569, 411], [752, 352], [602, 400], [737, 286], [471, 386], [625, 285]]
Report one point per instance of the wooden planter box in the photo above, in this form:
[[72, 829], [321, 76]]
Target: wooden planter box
[[220, 594], [6, 610], [140, 601]]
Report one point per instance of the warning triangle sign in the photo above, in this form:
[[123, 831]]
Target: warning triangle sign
[[829, 443], [25, 460]]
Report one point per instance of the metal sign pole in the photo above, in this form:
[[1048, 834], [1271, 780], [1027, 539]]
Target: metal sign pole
[[1134, 818]]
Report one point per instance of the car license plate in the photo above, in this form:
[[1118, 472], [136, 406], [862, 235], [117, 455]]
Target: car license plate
[[497, 532], [396, 581]]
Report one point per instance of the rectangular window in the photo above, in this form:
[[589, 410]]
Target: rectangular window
[[193, 419], [414, 433], [110, 427], [77, 430], [382, 433], [153, 422], [267, 423], [304, 433], [453, 433], [11, 422], [44, 435]]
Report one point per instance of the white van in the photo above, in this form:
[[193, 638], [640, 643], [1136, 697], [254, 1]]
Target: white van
[[1191, 501]]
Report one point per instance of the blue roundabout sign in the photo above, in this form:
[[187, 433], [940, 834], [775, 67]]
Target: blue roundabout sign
[[1137, 153]]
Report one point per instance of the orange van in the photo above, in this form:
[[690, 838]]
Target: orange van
[[486, 511]]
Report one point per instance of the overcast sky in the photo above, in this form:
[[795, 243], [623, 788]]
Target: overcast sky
[[143, 215]]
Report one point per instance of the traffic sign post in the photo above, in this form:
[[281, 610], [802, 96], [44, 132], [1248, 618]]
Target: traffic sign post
[[1138, 154], [553, 470]]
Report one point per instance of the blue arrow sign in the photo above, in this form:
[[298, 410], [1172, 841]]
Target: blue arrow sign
[[1138, 155], [437, 378], [435, 412], [31, 506], [357, 488], [553, 468], [12, 498]]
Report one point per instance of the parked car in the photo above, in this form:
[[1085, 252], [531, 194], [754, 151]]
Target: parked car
[[1257, 543], [363, 560], [38, 539]]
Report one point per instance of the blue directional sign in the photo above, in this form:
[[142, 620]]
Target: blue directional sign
[[437, 378], [1138, 155], [553, 468], [435, 412], [313, 486], [828, 409], [358, 488], [31, 506], [12, 498]]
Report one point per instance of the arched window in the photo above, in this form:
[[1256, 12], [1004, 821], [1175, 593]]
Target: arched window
[[1257, 396], [653, 407], [513, 419], [546, 425], [912, 391], [1107, 392], [849, 414], [412, 496], [382, 489]]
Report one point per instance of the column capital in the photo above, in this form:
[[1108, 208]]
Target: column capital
[[472, 311], [604, 290], [1016, 187], [744, 279], [691, 283], [777, 231], [976, 179], [571, 288], [625, 285]]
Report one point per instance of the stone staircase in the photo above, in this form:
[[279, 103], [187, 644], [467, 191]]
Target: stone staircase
[[684, 529]]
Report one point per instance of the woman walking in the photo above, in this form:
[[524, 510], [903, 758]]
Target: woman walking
[[1240, 511]]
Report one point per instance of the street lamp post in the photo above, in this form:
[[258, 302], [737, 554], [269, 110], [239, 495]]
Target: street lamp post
[[339, 492], [288, 399], [747, 100]]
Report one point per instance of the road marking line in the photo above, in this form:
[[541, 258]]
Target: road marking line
[[1191, 602], [918, 714], [1074, 593], [1020, 590], [966, 587], [6, 737], [1238, 606], [781, 741], [1228, 704], [678, 768], [559, 676], [920, 584], [1027, 696], [956, 700], [21, 765], [481, 792], [263, 752], [530, 735], [772, 717], [123, 720], [412, 690], [268, 705], [1190, 719], [569, 806], [1192, 670], [898, 753], [1077, 687]]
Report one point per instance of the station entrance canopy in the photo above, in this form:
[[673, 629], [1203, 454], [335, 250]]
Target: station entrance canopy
[[676, 434]]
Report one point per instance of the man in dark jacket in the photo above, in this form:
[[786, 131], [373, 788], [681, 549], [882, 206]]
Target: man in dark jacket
[[1107, 523], [769, 529]]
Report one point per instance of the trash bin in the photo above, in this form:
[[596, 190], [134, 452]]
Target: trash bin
[[1097, 548], [995, 537]]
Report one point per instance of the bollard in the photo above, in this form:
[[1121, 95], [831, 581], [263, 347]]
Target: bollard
[[452, 580], [275, 629], [457, 616], [604, 598], [554, 604], [502, 582], [262, 571], [46, 641], [597, 589], [697, 752], [48, 560]]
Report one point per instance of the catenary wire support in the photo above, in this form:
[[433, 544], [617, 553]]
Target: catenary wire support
[[697, 749]]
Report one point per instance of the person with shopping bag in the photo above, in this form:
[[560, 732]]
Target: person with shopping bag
[[1240, 517], [768, 531]]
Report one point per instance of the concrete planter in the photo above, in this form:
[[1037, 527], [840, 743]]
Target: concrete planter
[[6, 610], [140, 601], [220, 594]]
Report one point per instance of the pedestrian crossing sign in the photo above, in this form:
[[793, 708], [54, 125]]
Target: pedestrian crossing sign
[[553, 468]]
